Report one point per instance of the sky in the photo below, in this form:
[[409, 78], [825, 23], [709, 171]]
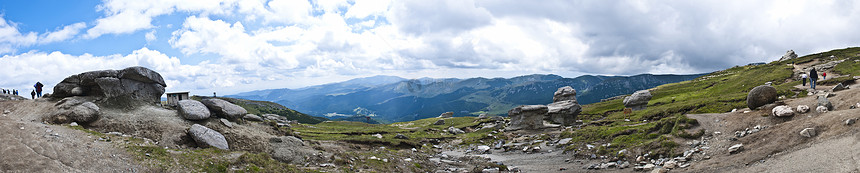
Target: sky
[[232, 46]]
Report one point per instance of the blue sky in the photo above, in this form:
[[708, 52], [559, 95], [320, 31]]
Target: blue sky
[[231, 46]]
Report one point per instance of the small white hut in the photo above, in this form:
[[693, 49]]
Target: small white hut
[[174, 98]]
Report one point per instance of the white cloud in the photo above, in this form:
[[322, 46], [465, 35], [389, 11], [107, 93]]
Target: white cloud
[[150, 36], [11, 38]]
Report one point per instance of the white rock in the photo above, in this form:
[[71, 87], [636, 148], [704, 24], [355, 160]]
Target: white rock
[[73, 124], [802, 109], [821, 109], [736, 148], [808, 132], [850, 121], [377, 135], [782, 111], [670, 164]]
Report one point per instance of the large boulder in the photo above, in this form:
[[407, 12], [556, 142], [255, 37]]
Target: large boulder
[[207, 137], [74, 110], [564, 93], [123, 88], [788, 55], [638, 100], [224, 109], [289, 149], [446, 115], [823, 101], [563, 112], [760, 96], [193, 110], [527, 117]]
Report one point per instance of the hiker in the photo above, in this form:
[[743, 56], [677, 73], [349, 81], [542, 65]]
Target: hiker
[[803, 78], [813, 76], [15, 92], [824, 76], [38, 89], [214, 95], [33, 94]]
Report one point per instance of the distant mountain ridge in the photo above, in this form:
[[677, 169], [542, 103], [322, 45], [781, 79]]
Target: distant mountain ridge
[[394, 99]]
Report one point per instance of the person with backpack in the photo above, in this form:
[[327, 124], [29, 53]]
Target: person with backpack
[[813, 77], [803, 78], [38, 87]]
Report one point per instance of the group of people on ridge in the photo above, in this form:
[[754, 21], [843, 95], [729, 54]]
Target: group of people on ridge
[[34, 94], [813, 77]]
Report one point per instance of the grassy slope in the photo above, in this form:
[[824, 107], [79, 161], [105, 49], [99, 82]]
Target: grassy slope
[[717, 92], [418, 131]]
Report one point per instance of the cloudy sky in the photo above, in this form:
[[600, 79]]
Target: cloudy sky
[[231, 46]]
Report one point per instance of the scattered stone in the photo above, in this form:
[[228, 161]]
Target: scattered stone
[[736, 148], [670, 164], [252, 117], [821, 109], [447, 115], [401, 136], [455, 131], [73, 124], [224, 109], [439, 122], [838, 87], [564, 141], [808, 132], [377, 135], [782, 111], [207, 137], [660, 170], [226, 123], [802, 109], [483, 149], [646, 167], [638, 100], [484, 115], [823, 101], [850, 121], [193, 110], [490, 170], [527, 117], [760, 96]]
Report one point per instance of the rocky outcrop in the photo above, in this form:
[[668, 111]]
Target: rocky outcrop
[[788, 55], [527, 117], [207, 137], [564, 93], [439, 122], [252, 117], [193, 110], [760, 96], [124, 88], [563, 112], [455, 131], [447, 115], [289, 149], [74, 110], [782, 111], [224, 109], [638, 100]]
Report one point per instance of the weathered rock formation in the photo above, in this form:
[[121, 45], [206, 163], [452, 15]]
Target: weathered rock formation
[[527, 117], [564, 93], [224, 109], [760, 96], [124, 88], [193, 110], [788, 55], [252, 117], [638, 100], [207, 137], [447, 115], [74, 110], [564, 108]]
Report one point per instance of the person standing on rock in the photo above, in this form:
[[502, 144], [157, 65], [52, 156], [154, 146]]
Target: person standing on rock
[[38, 87], [824, 76], [813, 76], [33, 94], [803, 78]]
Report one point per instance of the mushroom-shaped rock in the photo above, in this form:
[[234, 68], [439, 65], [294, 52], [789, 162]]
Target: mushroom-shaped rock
[[760, 96], [124, 88], [527, 117], [638, 100], [563, 112], [224, 109], [564, 93], [193, 110], [207, 137]]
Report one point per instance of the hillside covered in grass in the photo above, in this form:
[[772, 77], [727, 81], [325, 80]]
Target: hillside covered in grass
[[265, 107]]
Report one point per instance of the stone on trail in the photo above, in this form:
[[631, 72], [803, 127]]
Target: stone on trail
[[850, 121], [782, 111], [193, 110], [638, 100], [823, 101], [802, 109], [838, 87], [808, 132], [736, 148], [760, 96], [821, 109], [207, 137]]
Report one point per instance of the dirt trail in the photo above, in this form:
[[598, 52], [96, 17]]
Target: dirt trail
[[28, 145]]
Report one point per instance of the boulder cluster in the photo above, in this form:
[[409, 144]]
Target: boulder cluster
[[563, 110], [788, 55], [123, 88]]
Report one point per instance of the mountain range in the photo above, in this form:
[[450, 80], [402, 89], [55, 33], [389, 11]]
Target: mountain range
[[395, 99]]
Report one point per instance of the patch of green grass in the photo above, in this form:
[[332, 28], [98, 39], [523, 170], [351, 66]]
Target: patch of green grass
[[417, 131], [833, 81]]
